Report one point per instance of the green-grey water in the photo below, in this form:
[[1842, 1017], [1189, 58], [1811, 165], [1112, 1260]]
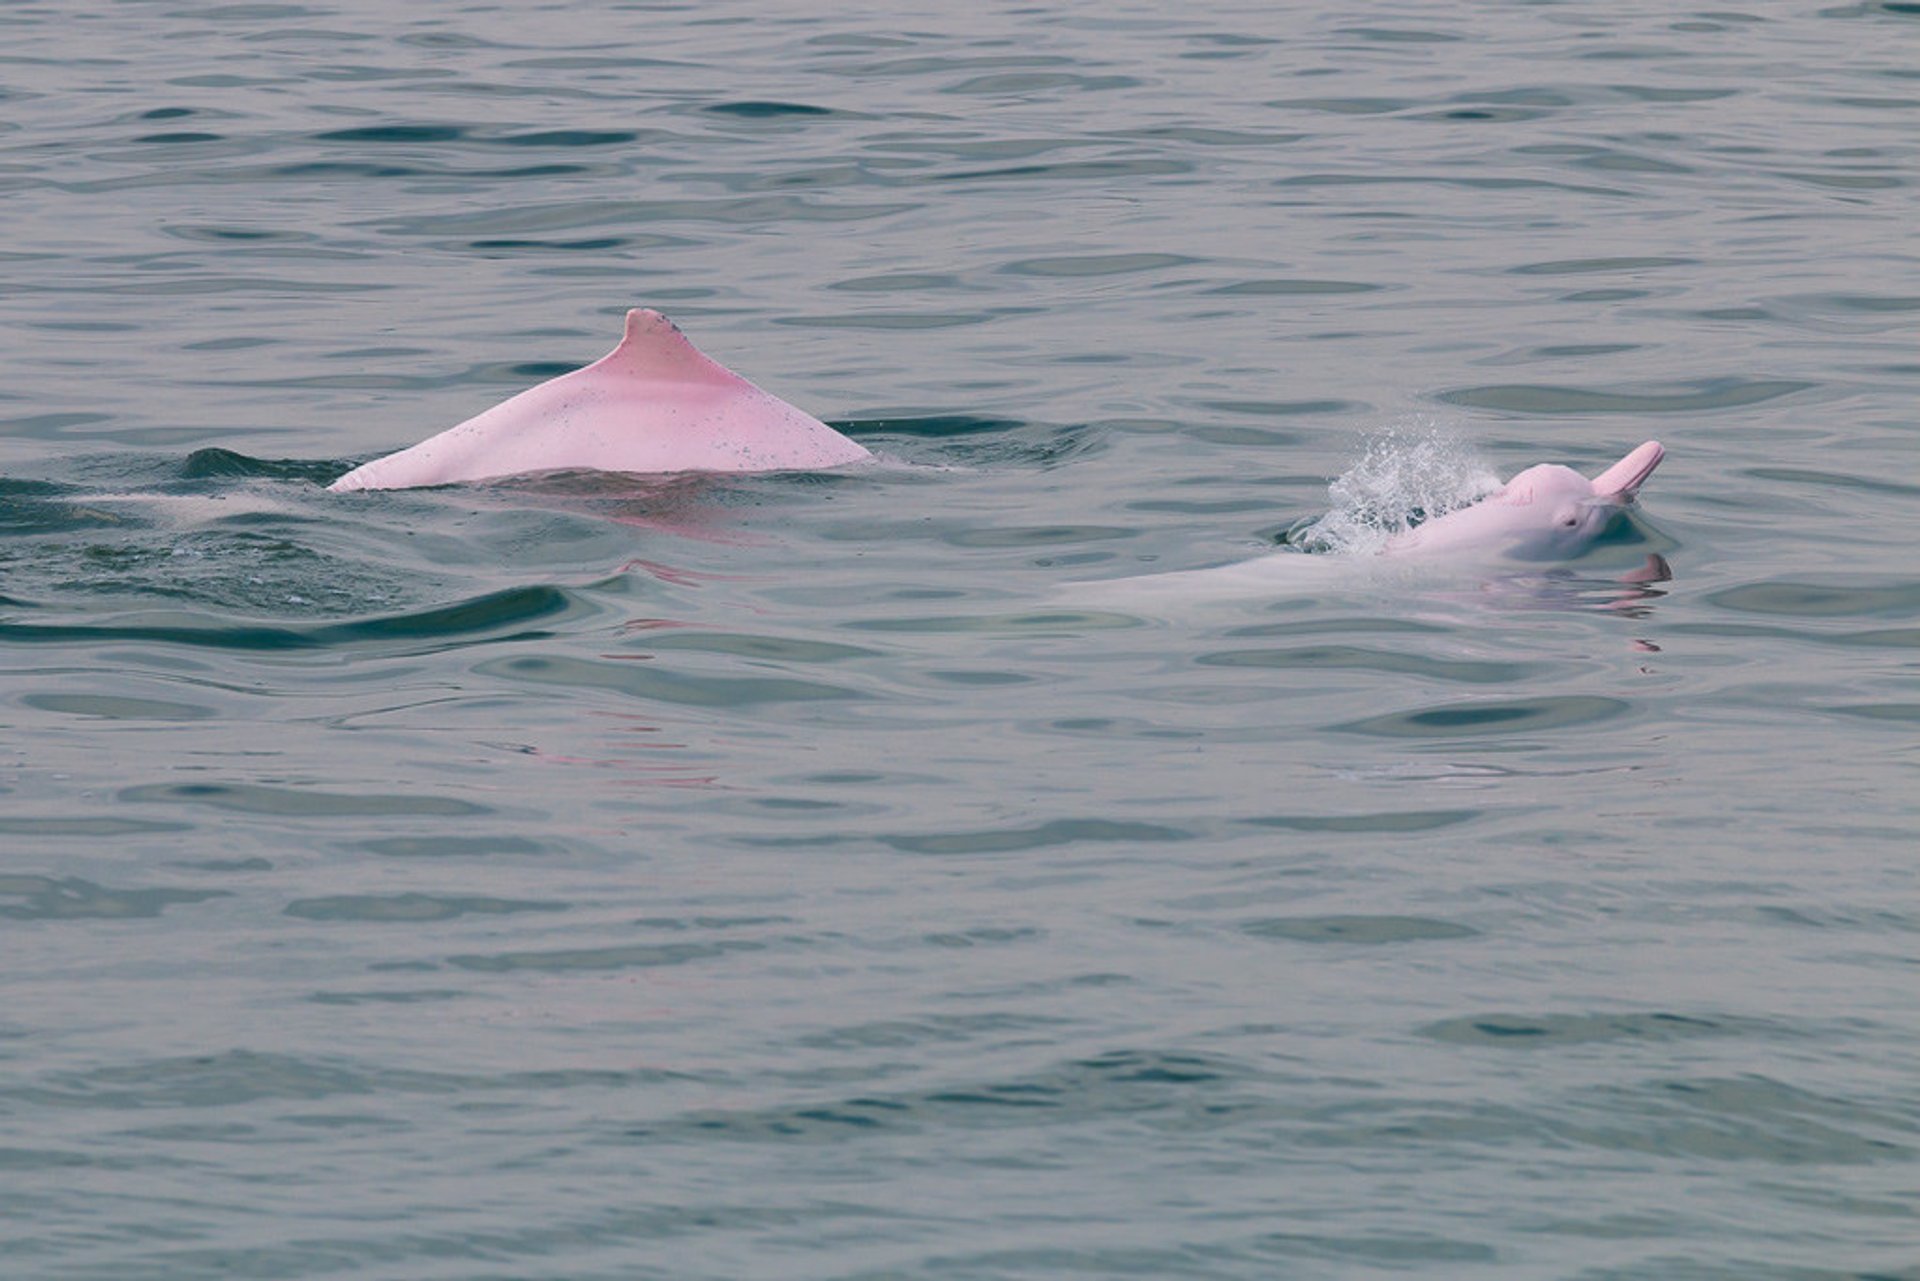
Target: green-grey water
[[794, 876]]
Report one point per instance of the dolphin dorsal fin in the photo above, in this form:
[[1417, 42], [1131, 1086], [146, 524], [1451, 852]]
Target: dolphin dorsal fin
[[654, 347]]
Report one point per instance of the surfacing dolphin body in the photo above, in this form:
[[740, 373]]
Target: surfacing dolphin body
[[1544, 514], [654, 404]]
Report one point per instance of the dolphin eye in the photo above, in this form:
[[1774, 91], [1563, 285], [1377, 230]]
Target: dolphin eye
[[1569, 521]]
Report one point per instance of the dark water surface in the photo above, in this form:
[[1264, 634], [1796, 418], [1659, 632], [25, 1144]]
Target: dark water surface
[[788, 876]]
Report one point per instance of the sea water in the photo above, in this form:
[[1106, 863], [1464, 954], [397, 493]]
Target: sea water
[[783, 876]]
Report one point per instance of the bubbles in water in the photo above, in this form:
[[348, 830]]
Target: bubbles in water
[[1404, 476]]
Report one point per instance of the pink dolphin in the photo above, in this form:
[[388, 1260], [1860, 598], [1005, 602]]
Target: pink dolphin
[[652, 404], [1548, 512], [1544, 513]]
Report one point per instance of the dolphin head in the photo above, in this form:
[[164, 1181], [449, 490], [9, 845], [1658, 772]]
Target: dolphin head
[[1547, 512]]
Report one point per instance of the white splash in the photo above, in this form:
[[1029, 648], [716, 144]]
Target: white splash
[[1405, 475]]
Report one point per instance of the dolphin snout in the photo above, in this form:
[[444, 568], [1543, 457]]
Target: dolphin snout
[[1622, 481]]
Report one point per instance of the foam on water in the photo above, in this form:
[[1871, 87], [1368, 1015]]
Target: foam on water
[[1406, 474]]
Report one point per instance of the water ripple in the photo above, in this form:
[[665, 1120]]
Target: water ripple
[[1721, 393], [478, 621], [1490, 718], [656, 684], [45, 898], [285, 802]]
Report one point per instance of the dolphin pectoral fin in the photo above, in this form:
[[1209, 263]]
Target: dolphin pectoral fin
[[1652, 570], [1622, 481]]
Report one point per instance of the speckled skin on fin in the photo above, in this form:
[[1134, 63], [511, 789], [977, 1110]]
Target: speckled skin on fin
[[653, 404]]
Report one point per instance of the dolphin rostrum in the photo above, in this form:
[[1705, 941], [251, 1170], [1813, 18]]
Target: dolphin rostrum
[[653, 404]]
